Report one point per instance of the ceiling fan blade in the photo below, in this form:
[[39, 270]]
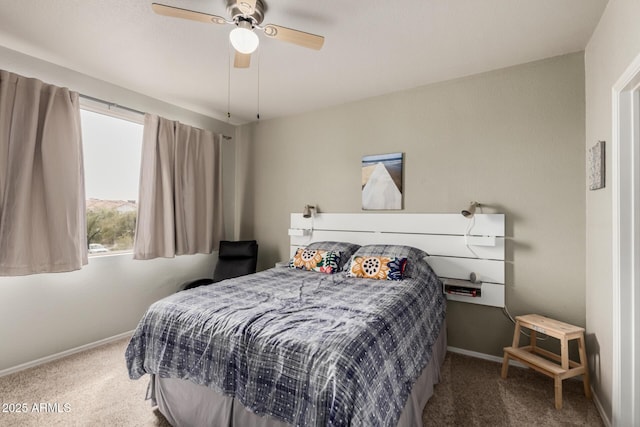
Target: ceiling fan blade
[[246, 6], [242, 60], [176, 12], [300, 38]]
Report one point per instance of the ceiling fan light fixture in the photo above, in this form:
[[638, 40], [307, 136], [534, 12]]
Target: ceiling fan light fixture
[[243, 39]]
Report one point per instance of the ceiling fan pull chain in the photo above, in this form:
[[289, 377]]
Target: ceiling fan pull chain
[[228, 82], [259, 62]]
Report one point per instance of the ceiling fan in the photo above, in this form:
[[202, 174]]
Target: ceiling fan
[[246, 15]]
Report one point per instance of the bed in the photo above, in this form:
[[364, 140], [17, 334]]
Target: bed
[[301, 347], [288, 346]]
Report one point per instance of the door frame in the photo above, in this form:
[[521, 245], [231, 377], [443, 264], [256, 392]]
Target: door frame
[[625, 164]]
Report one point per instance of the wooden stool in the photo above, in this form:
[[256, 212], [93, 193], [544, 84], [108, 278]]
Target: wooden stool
[[538, 358]]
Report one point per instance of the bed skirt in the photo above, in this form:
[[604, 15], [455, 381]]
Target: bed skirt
[[184, 403]]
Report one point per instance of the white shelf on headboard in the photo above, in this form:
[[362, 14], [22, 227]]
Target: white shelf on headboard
[[442, 236]]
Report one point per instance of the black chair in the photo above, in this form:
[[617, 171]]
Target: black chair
[[234, 259]]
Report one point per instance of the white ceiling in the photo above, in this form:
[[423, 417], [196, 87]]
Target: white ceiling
[[372, 47]]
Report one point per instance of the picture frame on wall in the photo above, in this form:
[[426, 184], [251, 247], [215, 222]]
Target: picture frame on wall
[[382, 181], [596, 166]]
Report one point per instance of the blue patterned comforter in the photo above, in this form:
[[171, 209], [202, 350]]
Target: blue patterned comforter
[[307, 348]]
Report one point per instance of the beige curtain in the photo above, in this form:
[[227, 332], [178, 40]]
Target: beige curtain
[[42, 199], [180, 202]]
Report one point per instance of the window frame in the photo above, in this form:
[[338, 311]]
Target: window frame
[[114, 111]]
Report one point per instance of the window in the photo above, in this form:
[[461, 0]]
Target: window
[[112, 150]]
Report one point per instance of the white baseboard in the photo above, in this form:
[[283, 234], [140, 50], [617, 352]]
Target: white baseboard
[[484, 356], [62, 354], [497, 359], [603, 415]]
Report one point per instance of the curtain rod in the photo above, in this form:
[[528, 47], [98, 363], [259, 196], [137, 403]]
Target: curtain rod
[[122, 107]]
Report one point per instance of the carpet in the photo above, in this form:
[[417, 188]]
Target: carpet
[[93, 388], [472, 393]]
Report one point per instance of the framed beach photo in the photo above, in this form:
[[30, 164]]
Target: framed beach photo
[[382, 181]]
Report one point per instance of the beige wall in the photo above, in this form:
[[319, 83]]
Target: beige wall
[[613, 46], [512, 139]]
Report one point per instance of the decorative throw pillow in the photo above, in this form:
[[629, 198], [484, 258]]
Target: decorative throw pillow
[[346, 250], [316, 260], [413, 255], [377, 267]]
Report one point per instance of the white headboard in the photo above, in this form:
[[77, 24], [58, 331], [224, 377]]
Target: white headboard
[[457, 246]]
